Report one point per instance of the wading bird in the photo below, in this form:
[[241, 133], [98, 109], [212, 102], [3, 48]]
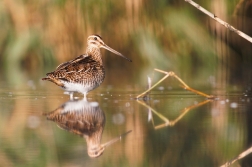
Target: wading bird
[[84, 73], [85, 119]]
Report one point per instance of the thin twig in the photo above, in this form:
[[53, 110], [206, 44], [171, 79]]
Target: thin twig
[[240, 156], [185, 86], [173, 122], [152, 86], [184, 111], [155, 112], [147, 98], [213, 16], [116, 139]]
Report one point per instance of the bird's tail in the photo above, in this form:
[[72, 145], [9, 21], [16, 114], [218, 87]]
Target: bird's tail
[[46, 78], [54, 80]]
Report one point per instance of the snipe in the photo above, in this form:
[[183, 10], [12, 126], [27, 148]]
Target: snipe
[[85, 119], [84, 73]]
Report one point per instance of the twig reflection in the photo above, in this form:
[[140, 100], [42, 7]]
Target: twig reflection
[[172, 122], [85, 119], [240, 156]]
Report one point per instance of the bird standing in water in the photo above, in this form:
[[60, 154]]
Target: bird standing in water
[[84, 73], [85, 119]]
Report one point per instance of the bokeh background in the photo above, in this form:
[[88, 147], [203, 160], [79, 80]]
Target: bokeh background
[[172, 35]]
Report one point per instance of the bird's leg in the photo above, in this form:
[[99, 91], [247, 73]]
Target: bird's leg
[[71, 95], [85, 96]]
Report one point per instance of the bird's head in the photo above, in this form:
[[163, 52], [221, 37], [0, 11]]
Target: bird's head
[[97, 42]]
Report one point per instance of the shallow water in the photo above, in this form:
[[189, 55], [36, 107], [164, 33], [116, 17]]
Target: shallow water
[[39, 126], [169, 135]]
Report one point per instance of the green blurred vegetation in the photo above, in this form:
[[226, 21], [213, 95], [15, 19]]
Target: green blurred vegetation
[[35, 36]]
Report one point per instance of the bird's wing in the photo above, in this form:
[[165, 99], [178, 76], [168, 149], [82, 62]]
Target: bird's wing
[[64, 65], [81, 67]]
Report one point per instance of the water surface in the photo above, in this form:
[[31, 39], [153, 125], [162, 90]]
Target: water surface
[[169, 135]]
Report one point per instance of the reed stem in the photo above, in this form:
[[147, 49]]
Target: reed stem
[[225, 24]]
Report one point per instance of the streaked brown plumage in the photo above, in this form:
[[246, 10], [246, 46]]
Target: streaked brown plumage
[[85, 119], [84, 73]]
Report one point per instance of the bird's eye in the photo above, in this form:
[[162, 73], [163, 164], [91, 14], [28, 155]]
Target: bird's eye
[[95, 38]]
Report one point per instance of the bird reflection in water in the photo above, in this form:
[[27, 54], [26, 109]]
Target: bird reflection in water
[[85, 119]]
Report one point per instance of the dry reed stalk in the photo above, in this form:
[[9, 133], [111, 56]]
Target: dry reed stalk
[[171, 122], [225, 24], [240, 156], [184, 85]]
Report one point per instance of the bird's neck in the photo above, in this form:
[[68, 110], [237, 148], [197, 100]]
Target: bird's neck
[[95, 53]]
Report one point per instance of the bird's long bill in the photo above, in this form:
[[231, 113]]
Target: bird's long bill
[[114, 51], [115, 139]]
